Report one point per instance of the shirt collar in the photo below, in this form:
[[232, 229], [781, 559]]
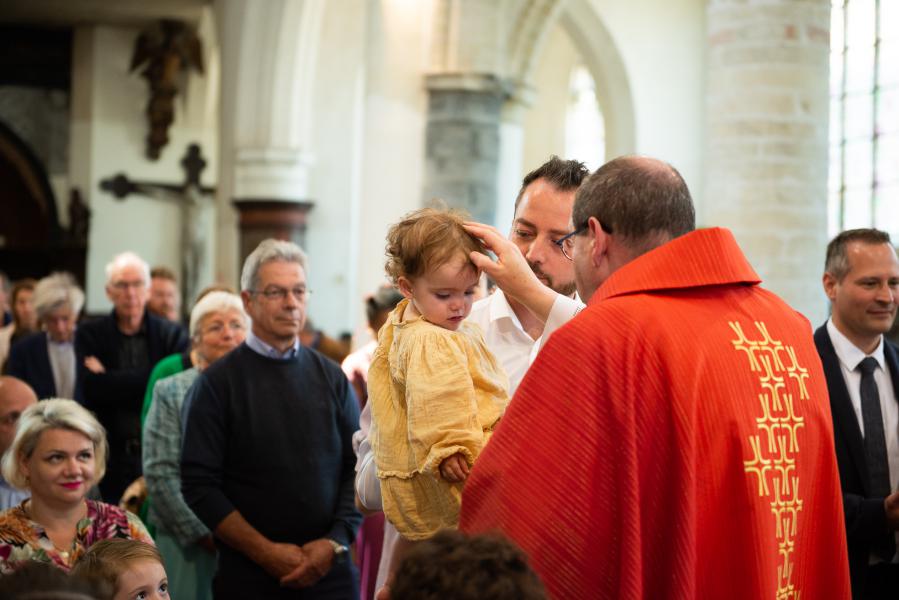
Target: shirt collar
[[499, 307], [260, 347], [848, 353]]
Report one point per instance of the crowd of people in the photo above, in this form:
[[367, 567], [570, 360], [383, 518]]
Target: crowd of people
[[629, 414]]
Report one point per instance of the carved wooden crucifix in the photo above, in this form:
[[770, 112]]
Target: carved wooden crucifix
[[190, 197]]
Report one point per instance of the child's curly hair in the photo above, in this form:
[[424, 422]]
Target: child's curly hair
[[425, 239]]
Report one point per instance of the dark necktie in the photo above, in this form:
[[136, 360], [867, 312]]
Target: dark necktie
[[875, 448]]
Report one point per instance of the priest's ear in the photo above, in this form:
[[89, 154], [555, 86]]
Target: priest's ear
[[597, 241]]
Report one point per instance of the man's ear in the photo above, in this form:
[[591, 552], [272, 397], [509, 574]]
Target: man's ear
[[830, 286], [404, 286], [245, 295]]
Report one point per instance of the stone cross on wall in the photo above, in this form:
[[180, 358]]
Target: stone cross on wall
[[191, 197]]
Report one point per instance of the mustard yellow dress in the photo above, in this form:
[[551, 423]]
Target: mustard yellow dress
[[433, 393]]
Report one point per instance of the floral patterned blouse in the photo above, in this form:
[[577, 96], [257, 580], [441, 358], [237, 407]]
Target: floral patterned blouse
[[23, 540]]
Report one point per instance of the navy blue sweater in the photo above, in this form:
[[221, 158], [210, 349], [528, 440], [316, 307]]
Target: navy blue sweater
[[271, 439]]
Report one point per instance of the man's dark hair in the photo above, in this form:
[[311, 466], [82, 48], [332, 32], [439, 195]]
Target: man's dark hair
[[836, 262], [453, 566], [644, 201], [564, 175]]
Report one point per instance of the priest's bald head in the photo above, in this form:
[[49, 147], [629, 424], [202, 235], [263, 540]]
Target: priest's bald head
[[629, 206]]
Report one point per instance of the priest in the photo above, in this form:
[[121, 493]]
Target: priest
[[674, 439]]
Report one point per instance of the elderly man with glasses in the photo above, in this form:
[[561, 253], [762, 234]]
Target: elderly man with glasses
[[267, 458], [116, 354]]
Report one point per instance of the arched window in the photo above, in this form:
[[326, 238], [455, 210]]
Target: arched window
[[585, 135], [864, 116]]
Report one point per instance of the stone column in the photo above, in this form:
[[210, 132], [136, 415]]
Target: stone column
[[462, 142], [268, 59], [766, 139]]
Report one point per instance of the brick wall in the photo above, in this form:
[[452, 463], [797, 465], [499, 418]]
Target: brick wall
[[766, 139]]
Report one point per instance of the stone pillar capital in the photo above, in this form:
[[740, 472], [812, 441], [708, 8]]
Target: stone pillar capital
[[271, 173], [467, 82]]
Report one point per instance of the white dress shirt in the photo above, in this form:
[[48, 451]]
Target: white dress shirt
[[506, 338], [849, 356]]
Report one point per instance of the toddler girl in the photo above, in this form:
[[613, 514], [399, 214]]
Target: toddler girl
[[436, 391]]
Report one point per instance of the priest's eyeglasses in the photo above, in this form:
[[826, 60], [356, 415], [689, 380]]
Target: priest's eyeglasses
[[279, 294], [566, 242]]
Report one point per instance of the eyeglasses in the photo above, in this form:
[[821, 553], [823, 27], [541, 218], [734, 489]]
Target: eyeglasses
[[566, 242], [124, 285], [217, 328], [280, 294]]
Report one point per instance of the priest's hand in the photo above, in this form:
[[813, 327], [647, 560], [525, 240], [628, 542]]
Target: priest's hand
[[319, 558], [455, 468], [511, 271], [891, 506]]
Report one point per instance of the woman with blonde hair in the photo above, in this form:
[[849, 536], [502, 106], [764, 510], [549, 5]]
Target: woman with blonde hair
[[58, 454]]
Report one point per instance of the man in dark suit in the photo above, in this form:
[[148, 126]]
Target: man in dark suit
[[46, 360], [116, 354], [861, 280]]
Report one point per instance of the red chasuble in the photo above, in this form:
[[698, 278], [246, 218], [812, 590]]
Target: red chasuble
[[674, 440]]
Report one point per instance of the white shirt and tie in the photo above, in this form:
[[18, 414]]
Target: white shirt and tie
[[849, 356]]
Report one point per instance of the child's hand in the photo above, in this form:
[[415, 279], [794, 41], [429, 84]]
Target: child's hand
[[455, 468]]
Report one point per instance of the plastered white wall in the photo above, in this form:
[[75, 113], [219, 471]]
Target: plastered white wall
[[108, 131], [662, 46]]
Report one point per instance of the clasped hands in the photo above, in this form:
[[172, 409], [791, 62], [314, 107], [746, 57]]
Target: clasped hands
[[299, 567]]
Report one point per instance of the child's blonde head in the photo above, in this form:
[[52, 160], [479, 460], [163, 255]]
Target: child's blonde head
[[106, 560], [425, 239]]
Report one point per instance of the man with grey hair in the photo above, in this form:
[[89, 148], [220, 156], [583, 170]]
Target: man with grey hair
[[116, 354], [46, 360], [678, 427], [15, 397], [861, 279], [267, 459]]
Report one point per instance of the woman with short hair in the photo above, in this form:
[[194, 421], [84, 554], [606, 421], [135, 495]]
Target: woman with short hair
[[46, 361], [218, 324], [59, 453]]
